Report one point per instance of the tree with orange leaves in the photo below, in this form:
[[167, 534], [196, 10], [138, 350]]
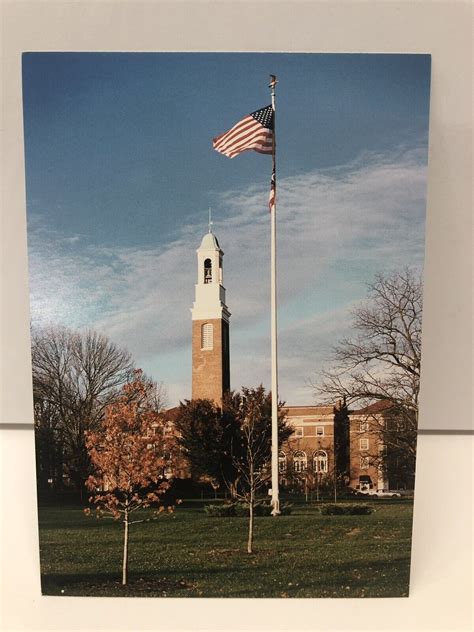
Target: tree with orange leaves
[[132, 457]]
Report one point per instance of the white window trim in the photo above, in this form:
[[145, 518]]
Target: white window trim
[[364, 444], [282, 463], [301, 459], [323, 455]]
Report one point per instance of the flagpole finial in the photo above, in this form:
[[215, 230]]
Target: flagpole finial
[[210, 220]]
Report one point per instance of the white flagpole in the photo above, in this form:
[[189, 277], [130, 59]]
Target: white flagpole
[[275, 494]]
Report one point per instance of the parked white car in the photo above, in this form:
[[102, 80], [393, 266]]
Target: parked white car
[[379, 493]]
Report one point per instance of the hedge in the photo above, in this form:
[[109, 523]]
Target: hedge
[[241, 509], [344, 509]]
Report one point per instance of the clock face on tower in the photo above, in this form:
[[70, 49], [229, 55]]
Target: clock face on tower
[[210, 322]]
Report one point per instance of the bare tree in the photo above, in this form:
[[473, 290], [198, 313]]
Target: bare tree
[[382, 361], [75, 376], [250, 449]]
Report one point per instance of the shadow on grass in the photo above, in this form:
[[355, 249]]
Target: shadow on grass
[[146, 583], [110, 585], [358, 578]]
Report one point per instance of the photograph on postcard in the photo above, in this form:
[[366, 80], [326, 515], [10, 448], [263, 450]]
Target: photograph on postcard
[[226, 289]]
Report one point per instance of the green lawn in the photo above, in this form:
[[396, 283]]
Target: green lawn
[[189, 554]]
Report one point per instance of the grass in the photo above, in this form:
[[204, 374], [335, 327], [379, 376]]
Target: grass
[[190, 554]]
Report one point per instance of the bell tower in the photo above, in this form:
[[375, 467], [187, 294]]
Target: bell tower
[[210, 318]]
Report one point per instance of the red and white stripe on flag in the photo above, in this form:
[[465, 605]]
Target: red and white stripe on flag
[[253, 132], [272, 196]]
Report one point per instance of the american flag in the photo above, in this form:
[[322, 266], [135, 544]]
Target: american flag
[[254, 131], [272, 196]]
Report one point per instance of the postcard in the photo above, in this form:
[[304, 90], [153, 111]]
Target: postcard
[[226, 287]]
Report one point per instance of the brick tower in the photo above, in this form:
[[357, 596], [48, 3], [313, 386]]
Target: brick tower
[[210, 316]]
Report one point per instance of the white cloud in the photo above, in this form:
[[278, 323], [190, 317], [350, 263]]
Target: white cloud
[[303, 348], [335, 229]]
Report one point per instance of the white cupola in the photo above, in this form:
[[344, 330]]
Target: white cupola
[[210, 293]]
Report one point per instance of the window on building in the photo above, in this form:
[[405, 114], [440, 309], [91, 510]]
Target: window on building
[[299, 431], [364, 462], [320, 431], [300, 461], [364, 426], [364, 444], [207, 271], [207, 335], [282, 462], [320, 461]]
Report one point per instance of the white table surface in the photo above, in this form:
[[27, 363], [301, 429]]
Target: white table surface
[[441, 579]]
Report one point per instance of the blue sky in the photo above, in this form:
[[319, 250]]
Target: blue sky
[[120, 173]]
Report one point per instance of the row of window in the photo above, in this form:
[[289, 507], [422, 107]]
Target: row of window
[[300, 461], [363, 443], [363, 427], [320, 462], [319, 431]]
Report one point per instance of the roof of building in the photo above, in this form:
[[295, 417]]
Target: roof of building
[[377, 407], [209, 242], [297, 411], [170, 414]]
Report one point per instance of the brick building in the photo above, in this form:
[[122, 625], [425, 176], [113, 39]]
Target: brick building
[[318, 444], [350, 445], [377, 456]]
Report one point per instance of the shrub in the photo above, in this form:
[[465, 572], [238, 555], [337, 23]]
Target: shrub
[[259, 509], [345, 510], [241, 509], [220, 511]]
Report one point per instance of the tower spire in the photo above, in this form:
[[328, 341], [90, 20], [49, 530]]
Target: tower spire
[[210, 220]]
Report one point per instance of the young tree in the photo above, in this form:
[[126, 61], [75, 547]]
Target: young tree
[[131, 454], [250, 449], [382, 361]]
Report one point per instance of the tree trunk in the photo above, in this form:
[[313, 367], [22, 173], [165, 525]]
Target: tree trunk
[[125, 551], [250, 539]]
